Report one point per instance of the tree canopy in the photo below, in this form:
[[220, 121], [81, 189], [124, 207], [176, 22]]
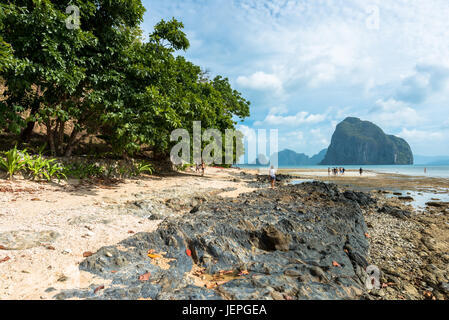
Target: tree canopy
[[103, 79]]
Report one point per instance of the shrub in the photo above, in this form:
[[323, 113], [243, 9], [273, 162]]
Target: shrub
[[14, 162]]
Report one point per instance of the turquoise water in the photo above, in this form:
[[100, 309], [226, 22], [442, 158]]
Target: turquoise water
[[414, 170]]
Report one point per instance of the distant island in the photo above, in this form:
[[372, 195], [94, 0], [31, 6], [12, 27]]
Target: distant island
[[289, 158], [357, 142]]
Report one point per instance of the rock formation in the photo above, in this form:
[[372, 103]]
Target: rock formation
[[357, 142]]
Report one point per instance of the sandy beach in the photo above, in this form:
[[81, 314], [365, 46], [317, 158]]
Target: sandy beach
[[47, 230], [80, 220]]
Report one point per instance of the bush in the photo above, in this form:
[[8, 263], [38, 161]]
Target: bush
[[14, 162]]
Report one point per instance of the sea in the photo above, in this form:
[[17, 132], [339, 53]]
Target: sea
[[409, 170], [420, 198]]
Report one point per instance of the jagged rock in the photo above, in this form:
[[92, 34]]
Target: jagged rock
[[260, 232], [395, 212], [438, 204]]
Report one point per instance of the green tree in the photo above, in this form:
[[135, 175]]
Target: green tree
[[103, 79]]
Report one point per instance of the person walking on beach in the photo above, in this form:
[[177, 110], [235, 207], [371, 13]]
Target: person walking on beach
[[203, 167], [272, 176], [361, 171], [328, 171]]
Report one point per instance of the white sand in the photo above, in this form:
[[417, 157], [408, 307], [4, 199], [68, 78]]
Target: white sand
[[79, 217]]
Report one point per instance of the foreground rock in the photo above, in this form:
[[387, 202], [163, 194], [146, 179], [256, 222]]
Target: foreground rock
[[296, 242]]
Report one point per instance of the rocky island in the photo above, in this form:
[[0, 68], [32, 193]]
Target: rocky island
[[357, 142]]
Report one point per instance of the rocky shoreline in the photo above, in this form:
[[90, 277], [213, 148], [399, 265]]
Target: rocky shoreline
[[308, 241], [225, 236]]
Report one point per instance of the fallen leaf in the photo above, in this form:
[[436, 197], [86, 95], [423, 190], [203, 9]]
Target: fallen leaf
[[131, 232], [220, 283], [210, 285], [336, 264], [98, 289], [3, 248], [189, 252], [346, 250], [145, 277], [50, 248], [35, 199], [113, 271], [367, 236], [5, 259], [154, 256], [151, 251], [87, 254], [244, 273]]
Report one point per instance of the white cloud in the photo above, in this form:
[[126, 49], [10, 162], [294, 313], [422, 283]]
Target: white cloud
[[391, 113], [321, 53], [302, 117], [418, 136], [261, 81]]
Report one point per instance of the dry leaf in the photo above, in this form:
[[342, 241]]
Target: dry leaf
[[336, 264], [145, 277], [367, 236], [151, 251], [244, 273], [113, 271], [154, 256], [189, 252], [210, 285], [131, 232], [51, 248], [5, 259], [98, 289], [35, 199], [87, 254], [2, 248]]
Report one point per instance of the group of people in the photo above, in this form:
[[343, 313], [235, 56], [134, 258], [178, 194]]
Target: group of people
[[340, 171], [336, 171]]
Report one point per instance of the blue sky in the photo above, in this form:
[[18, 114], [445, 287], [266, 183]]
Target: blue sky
[[306, 65]]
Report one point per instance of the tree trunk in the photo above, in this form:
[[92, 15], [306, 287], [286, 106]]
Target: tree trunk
[[71, 143], [26, 133], [61, 137], [51, 138]]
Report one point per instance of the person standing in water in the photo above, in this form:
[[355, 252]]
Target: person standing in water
[[272, 176]]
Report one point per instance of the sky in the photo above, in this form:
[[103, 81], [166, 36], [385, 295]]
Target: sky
[[306, 65]]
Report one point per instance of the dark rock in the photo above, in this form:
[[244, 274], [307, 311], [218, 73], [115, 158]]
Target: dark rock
[[395, 212], [283, 250], [438, 204]]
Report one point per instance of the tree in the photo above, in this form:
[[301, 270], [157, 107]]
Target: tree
[[58, 69], [103, 79]]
